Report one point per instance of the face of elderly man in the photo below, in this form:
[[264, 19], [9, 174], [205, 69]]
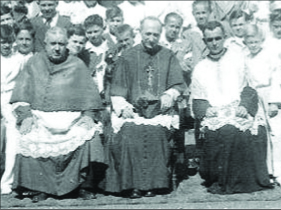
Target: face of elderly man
[[214, 40], [55, 45], [150, 32]]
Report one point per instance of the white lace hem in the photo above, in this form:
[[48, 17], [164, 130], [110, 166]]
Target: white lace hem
[[167, 121], [227, 116], [42, 142]]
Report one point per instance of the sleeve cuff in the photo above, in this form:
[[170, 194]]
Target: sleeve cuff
[[119, 104], [173, 93]]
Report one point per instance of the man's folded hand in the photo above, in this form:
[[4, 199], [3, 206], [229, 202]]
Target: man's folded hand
[[166, 101], [127, 113], [86, 122], [26, 126], [241, 111], [211, 112]]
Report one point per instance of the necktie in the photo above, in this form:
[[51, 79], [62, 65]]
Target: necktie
[[48, 22]]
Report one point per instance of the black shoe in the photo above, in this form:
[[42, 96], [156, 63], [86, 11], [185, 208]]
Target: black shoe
[[39, 197], [86, 195], [30, 193], [149, 194], [135, 194]]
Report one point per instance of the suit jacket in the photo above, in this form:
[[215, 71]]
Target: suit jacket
[[110, 41], [41, 29]]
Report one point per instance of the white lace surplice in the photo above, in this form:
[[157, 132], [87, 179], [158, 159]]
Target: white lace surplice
[[54, 134]]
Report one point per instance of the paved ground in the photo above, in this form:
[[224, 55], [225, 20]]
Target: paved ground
[[189, 195], [207, 205]]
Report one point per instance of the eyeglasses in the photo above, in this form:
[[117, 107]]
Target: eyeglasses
[[218, 38]]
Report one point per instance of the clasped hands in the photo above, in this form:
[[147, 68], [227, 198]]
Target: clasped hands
[[166, 102], [241, 111]]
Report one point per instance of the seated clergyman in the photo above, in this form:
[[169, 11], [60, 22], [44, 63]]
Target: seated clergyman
[[60, 148]]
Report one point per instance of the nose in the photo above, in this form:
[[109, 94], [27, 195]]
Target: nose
[[24, 42], [57, 47], [214, 42], [151, 38], [47, 8], [201, 16]]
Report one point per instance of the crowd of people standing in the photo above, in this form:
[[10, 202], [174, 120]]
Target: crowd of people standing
[[97, 95]]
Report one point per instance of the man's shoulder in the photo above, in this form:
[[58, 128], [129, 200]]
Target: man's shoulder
[[192, 33], [76, 61], [64, 21], [36, 21], [131, 52]]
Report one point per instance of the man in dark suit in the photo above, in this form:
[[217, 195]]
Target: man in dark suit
[[48, 18]]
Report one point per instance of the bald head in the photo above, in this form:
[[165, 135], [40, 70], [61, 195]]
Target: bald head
[[149, 20], [151, 29], [56, 31]]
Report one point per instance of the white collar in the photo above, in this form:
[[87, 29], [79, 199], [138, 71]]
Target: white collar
[[54, 19], [98, 50], [166, 43]]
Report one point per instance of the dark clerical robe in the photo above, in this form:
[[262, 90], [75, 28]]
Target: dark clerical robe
[[232, 148], [55, 157], [138, 152]]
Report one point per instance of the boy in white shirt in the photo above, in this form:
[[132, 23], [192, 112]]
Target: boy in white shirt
[[263, 70]]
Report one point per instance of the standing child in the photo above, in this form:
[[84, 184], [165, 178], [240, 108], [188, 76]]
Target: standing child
[[114, 18], [263, 68], [94, 28], [237, 21], [11, 64]]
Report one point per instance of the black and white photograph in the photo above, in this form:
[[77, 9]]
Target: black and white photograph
[[140, 104]]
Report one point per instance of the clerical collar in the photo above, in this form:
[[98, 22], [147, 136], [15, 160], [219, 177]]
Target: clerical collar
[[152, 51], [218, 56]]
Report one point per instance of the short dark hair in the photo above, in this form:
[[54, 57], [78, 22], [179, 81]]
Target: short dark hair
[[19, 8], [206, 2], [212, 25], [275, 16], [238, 14], [56, 1], [124, 28], [7, 33], [173, 14], [5, 10], [113, 12], [76, 30], [25, 25], [93, 20]]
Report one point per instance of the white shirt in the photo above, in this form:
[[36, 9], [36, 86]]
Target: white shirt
[[74, 9], [237, 44], [264, 72], [54, 20], [219, 82], [100, 68], [10, 68]]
